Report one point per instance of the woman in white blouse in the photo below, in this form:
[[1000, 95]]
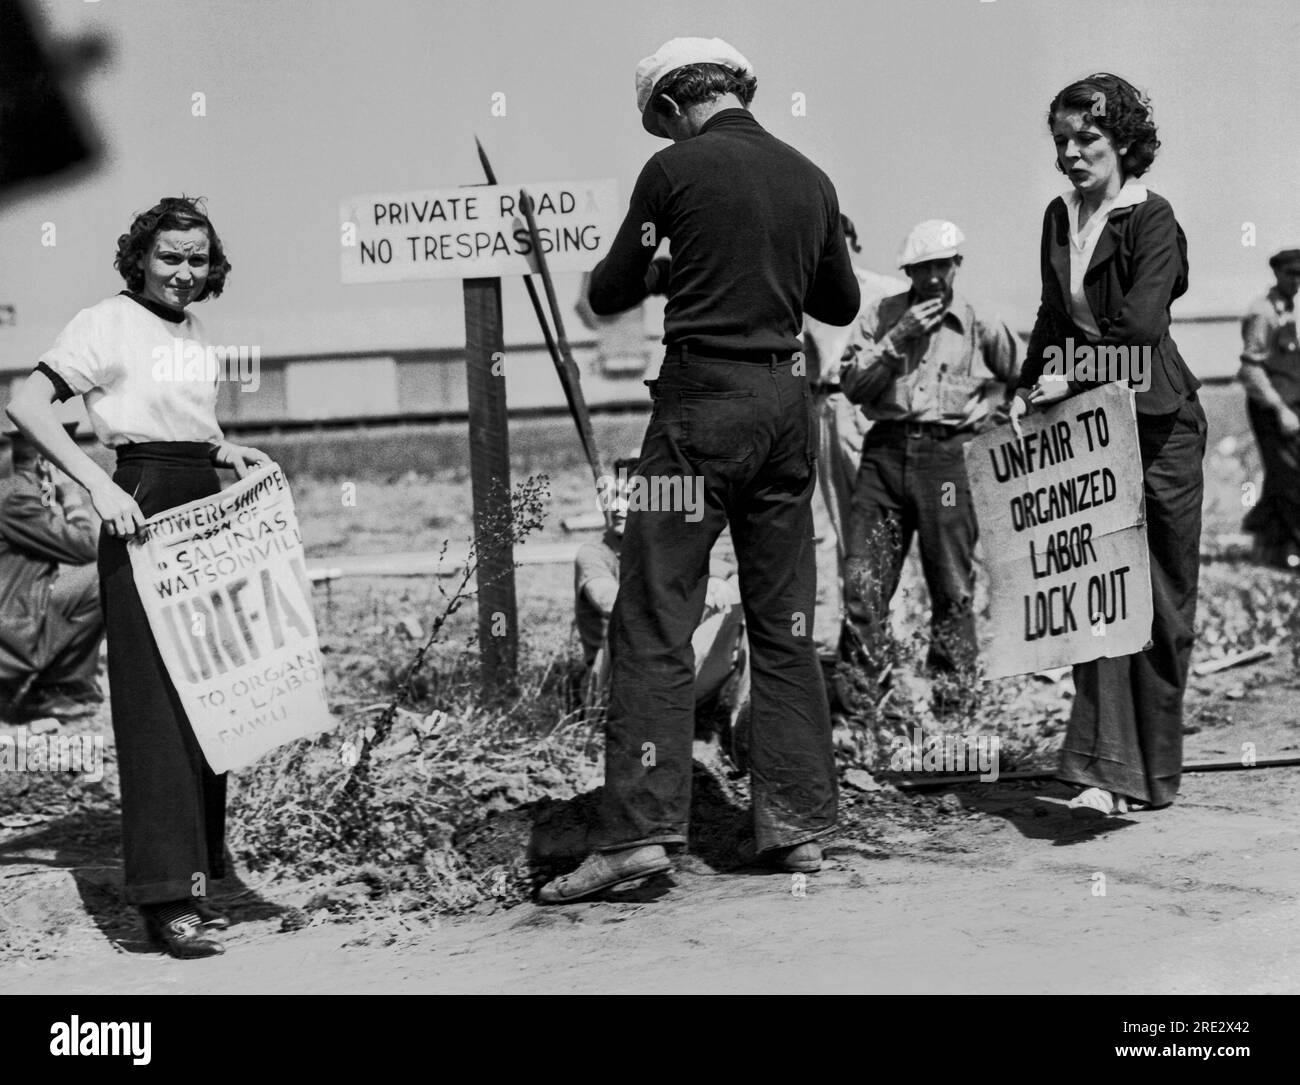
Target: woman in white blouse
[[163, 426], [1112, 261]]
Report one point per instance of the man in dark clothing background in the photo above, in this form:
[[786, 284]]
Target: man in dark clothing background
[[756, 243], [50, 621]]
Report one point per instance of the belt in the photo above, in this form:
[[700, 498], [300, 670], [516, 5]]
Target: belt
[[915, 430], [824, 388], [194, 453], [683, 351]]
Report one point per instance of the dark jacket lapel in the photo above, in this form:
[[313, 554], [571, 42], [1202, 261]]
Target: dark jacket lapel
[[1060, 253], [1109, 240]]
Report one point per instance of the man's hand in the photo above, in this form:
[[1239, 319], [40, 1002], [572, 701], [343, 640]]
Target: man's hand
[[240, 457], [1289, 421], [921, 319], [75, 507], [70, 496], [720, 594], [656, 276]]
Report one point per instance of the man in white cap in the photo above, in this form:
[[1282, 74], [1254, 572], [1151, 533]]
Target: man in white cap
[[929, 371], [756, 243]]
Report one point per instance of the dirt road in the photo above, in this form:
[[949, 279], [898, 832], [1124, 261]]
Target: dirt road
[[993, 888]]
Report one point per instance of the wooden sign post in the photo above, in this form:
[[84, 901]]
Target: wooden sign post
[[489, 469], [479, 234]]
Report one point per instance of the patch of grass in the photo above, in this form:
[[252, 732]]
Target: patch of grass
[[380, 801]]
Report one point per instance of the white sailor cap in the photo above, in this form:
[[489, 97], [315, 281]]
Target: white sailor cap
[[677, 54]]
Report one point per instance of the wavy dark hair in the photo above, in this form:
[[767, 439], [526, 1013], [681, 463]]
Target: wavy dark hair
[[1120, 110], [170, 213], [694, 83]]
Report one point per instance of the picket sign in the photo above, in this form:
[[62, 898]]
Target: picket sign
[[1063, 527], [225, 587]]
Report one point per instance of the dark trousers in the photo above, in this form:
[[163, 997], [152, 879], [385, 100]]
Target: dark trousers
[[1275, 519], [1126, 725], [173, 805], [740, 435], [912, 482]]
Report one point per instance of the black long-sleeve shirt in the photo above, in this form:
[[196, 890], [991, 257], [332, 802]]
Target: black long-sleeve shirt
[[756, 242]]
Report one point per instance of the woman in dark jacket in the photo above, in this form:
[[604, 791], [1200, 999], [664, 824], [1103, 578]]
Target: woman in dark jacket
[[1113, 260]]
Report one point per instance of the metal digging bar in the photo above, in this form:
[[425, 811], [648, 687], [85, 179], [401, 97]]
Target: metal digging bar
[[569, 377], [560, 352], [491, 175]]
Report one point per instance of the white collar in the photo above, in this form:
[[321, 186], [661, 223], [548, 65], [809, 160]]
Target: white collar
[[1132, 192]]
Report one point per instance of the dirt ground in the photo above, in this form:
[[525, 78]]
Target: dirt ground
[[983, 888], [989, 888]]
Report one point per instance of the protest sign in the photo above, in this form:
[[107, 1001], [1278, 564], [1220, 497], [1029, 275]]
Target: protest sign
[[476, 232], [1062, 525], [225, 588]]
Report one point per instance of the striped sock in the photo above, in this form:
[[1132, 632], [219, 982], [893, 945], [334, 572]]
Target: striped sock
[[179, 912]]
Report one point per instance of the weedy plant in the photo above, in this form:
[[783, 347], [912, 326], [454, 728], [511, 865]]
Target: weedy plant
[[379, 803], [887, 691]]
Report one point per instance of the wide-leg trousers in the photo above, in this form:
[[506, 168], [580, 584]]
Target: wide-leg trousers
[[740, 439], [1125, 732], [173, 805]]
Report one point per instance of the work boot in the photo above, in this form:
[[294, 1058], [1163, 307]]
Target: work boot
[[798, 859]]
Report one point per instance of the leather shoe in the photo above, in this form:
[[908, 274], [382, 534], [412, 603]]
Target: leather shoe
[[605, 870], [798, 859], [179, 931], [213, 920]]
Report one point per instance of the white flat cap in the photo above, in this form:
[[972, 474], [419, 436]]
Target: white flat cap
[[933, 239], [677, 54]]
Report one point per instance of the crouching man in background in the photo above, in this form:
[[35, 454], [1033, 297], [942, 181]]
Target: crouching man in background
[[50, 621], [721, 656]]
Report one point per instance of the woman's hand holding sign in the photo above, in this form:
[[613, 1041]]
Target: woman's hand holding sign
[[1051, 388], [117, 509], [239, 457]]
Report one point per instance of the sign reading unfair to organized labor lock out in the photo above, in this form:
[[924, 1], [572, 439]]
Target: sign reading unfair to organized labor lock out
[[226, 591], [477, 232], [1061, 519]]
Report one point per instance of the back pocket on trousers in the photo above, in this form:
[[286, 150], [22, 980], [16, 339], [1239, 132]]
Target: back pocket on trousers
[[719, 425]]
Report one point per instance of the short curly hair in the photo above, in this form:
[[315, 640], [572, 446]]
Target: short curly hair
[[694, 83], [170, 213], [1120, 110]]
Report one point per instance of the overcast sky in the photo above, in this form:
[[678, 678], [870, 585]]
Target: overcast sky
[[916, 109]]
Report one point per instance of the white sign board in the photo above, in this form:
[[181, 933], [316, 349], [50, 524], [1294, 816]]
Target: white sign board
[[224, 586], [1063, 526], [476, 232]]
